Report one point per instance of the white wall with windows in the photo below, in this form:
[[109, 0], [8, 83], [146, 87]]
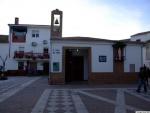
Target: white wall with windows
[[37, 40], [35, 43], [132, 63]]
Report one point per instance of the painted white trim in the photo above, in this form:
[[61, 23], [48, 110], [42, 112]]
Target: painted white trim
[[80, 107], [97, 97], [120, 102], [139, 96], [108, 101], [41, 104]]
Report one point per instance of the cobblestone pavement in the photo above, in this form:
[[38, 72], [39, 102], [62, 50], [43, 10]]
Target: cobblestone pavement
[[13, 85], [39, 97], [110, 100]]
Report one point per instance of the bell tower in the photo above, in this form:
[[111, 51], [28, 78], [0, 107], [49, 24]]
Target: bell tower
[[56, 23]]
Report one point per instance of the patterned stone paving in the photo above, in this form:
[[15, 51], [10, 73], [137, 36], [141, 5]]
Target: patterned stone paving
[[64, 99], [13, 85], [60, 101], [81, 101], [141, 94]]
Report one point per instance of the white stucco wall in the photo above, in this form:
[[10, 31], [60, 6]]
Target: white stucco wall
[[4, 52], [102, 50], [44, 34], [133, 55], [97, 49], [11, 64], [143, 37], [146, 55], [56, 57]]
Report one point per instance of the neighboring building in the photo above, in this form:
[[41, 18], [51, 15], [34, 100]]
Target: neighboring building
[[144, 37], [28, 48]]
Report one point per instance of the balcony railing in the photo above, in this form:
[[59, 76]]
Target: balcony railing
[[30, 55]]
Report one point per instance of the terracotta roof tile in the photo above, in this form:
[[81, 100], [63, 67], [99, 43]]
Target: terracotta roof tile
[[78, 38]]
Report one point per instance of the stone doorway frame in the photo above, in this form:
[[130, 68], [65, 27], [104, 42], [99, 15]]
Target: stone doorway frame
[[63, 59]]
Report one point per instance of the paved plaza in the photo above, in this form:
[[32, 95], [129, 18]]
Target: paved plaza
[[34, 95]]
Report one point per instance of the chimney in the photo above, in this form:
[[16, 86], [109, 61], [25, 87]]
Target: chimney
[[16, 20]]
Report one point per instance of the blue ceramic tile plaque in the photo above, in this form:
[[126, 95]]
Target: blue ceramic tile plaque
[[102, 59]]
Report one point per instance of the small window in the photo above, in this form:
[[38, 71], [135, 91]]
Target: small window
[[45, 50], [45, 42], [35, 33], [21, 49], [132, 67], [20, 65], [138, 40], [34, 43], [55, 66]]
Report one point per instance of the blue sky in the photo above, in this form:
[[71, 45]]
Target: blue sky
[[109, 19]]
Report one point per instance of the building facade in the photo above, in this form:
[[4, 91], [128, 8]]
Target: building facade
[[91, 59], [144, 37], [37, 49], [28, 48], [94, 60]]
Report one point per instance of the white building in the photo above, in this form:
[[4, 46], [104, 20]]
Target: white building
[[92, 59], [95, 60], [144, 37], [28, 48], [41, 48]]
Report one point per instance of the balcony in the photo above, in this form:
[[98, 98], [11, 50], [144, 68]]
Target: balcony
[[30, 55]]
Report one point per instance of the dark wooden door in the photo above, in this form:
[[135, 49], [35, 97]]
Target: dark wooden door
[[46, 67], [33, 67], [73, 67], [77, 68], [68, 68]]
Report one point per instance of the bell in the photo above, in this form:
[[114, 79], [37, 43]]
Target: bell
[[56, 21]]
